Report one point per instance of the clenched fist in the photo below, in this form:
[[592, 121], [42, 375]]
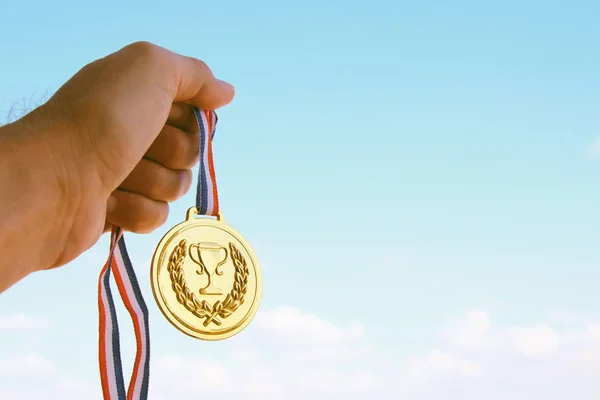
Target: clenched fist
[[114, 145]]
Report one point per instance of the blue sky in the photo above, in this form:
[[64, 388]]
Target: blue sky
[[393, 163]]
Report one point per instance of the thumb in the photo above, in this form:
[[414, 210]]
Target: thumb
[[195, 84]]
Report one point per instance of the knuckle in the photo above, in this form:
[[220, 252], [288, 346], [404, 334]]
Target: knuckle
[[170, 186], [141, 46], [179, 151], [152, 181], [144, 49], [186, 181], [150, 218], [202, 68], [178, 186], [189, 151], [201, 64], [138, 224], [174, 192], [159, 217], [194, 160]]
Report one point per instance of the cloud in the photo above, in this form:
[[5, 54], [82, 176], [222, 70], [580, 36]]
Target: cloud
[[182, 375], [472, 331], [535, 341], [21, 322], [29, 365], [35, 377], [302, 337], [290, 354], [475, 332], [438, 362], [293, 326], [474, 358], [60, 390]]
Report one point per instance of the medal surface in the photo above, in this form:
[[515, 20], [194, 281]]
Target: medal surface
[[205, 278]]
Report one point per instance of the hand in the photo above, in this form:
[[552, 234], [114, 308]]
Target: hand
[[121, 139]]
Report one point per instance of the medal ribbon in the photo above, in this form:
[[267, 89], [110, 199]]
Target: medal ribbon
[[207, 196], [109, 349]]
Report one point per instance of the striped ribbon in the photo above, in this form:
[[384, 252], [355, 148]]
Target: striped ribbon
[[111, 369], [207, 196]]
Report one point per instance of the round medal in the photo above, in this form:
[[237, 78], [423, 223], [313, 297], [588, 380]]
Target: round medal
[[205, 278]]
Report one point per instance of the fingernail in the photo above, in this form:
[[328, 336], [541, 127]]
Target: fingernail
[[111, 204]]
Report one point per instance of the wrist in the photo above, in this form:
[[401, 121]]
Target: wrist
[[33, 197]]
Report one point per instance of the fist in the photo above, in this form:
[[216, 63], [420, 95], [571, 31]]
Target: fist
[[122, 138]]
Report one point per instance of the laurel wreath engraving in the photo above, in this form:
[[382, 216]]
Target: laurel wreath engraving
[[202, 309]]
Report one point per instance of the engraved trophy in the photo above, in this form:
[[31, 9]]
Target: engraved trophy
[[210, 257]]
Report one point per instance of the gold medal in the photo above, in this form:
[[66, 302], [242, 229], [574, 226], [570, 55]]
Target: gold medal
[[205, 278]]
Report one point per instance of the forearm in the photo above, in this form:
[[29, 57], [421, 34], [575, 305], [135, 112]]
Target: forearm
[[30, 203]]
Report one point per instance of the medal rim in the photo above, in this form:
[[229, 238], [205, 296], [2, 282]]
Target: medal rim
[[156, 291]]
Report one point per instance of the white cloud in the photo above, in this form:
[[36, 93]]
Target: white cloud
[[291, 325], [302, 337], [289, 354], [572, 319], [29, 365], [21, 322], [535, 341], [184, 375], [437, 361], [473, 331], [60, 390], [474, 359], [35, 377]]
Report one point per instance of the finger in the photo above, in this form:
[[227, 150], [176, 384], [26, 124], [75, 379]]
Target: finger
[[182, 116], [175, 149], [136, 213], [186, 79], [197, 85], [156, 182]]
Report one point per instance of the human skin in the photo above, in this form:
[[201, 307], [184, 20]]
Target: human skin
[[113, 145]]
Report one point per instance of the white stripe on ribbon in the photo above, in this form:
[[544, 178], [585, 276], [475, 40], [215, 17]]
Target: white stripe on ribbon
[[139, 316]]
